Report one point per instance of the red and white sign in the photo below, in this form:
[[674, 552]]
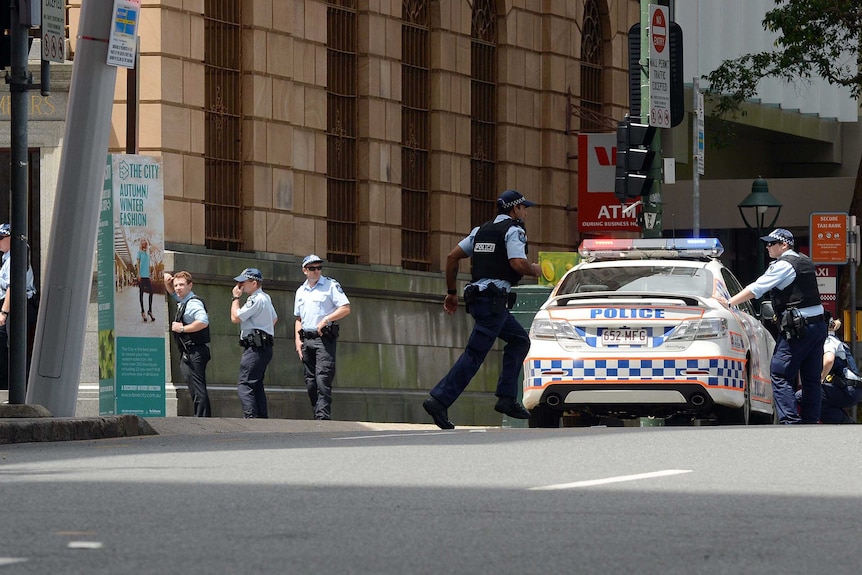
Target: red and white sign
[[599, 210], [659, 67], [829, 237], [827, 285]]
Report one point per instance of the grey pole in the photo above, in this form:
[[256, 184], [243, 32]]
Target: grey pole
[[19, 83], [695, 170], [59, 345]]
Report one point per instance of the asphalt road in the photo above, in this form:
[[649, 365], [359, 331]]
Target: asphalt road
[[735, 500]]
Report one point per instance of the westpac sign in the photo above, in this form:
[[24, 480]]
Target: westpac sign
[[599, 210]]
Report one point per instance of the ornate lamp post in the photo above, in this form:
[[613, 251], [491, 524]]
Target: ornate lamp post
[[760, 205]]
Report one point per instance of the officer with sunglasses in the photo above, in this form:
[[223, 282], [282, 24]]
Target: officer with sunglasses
[[320, 302], [791, 281]]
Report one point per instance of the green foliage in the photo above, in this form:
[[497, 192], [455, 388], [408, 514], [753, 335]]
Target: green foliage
[[814, 38]]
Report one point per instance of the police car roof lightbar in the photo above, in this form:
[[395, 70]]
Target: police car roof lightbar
[[651, 248]]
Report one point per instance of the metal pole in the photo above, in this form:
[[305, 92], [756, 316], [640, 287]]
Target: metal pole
[[16, 327], [695, 170], [854, 260], [58, 350]]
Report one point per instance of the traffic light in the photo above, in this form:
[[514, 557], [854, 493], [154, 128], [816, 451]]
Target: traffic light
[[5, 44], [634, 160]]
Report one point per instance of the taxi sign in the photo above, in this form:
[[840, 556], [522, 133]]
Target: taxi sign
[[829, 235]]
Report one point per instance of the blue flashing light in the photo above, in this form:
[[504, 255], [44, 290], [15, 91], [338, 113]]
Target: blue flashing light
[[651, 248]]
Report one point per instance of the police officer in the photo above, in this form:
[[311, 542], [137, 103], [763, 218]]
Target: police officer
[[6, 302], [792, 283], [191, 329], [320, 303], [257, 320], [499, 252]]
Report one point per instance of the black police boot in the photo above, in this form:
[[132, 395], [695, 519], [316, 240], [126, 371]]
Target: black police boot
[[510, 406], [438, 413]]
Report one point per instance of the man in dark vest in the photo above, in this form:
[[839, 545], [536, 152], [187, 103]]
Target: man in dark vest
[[791, 281], [191, 329], [499, 252]]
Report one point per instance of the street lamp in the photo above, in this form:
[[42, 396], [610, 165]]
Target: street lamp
[[758, 204]]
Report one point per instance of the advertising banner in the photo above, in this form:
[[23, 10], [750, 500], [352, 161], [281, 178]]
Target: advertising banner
[[131, 291], [599, 210]]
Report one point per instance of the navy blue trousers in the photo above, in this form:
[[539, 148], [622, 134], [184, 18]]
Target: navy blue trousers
[[318, 360], [801, 357], [252, 368], [193, 366], [489, 326]]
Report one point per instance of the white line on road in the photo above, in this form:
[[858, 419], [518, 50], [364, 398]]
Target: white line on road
[[608, 480], [84, 545], [11, 560], [414, 434]]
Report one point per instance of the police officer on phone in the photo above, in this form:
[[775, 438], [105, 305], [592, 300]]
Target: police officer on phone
[[320, 303], [791, 282], [499, 252], [257, 320]]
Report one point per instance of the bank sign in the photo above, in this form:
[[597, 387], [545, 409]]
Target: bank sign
[[599, 210]]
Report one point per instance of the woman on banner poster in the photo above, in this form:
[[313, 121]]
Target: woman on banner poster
[[144, 282]]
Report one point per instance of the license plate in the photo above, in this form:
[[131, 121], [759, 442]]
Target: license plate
[[625, 337]]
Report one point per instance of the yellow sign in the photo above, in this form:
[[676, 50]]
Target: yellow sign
[[555, 264]]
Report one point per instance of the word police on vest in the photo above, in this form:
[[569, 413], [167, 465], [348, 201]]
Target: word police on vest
[[484, 247]]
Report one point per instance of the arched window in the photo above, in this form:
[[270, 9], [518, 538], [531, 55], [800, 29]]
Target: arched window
[[483, 111], [342, 205], [415, 136], [592, 88]]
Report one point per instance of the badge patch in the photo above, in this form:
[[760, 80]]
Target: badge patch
[[484, 247]]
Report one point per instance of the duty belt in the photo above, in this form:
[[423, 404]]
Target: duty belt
[[814, 319], [308, 334]]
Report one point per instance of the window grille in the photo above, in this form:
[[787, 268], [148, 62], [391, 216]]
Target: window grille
[[223, 147], [591, 70], [483, 132], [415, 137], [342, 225]]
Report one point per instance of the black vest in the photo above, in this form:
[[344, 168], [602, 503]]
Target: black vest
[[803, 291], [490, 260], [185, 340]]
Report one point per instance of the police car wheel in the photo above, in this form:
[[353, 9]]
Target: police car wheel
[[544, 416], [737, 415]]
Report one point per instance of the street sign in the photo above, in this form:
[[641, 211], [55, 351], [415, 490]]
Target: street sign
[[659, 68], [122, 46], [829, 237], [54, 30]]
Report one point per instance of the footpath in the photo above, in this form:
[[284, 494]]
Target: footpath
[[34, 423]]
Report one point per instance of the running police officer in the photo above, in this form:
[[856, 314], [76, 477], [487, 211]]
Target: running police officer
[[191, 329], [499, 252], [257, 329], [792, 283], [320, 303]]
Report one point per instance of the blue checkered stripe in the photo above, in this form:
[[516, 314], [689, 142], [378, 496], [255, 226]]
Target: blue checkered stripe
[[721, 371], [657, 335]]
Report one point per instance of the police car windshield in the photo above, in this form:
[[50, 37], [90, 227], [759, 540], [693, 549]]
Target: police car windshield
[[653, 279]]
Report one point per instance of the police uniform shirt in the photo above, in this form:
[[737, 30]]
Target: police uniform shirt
[[834, 345], [257, 313], [194, 311], [516, 248], [314, 303], [781, 274], [5, 273]]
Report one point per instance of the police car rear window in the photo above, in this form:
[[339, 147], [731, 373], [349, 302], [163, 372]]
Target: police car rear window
[[656, 279]]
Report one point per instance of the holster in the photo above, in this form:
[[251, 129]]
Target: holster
[[792, 324]]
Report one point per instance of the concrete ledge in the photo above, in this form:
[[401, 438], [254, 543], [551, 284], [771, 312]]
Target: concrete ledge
[[38, 429]]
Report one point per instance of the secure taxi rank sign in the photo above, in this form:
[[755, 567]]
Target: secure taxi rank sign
[[131, 294], [828, 232]]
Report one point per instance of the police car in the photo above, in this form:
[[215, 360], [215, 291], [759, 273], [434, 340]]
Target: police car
[[634, 330]]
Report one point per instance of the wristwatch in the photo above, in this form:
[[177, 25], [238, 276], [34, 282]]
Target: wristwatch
[[234, 298], [452, 292]]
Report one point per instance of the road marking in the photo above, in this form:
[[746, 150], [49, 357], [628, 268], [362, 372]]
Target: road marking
[[84, 545], [608, 480], [12, 560], [412, 434]]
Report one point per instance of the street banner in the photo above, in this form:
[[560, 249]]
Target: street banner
[[132, 308]]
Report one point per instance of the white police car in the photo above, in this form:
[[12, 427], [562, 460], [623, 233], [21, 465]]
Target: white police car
[[634, 330]]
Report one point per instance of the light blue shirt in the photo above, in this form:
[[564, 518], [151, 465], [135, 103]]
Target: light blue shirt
[[312, 304], [257, 313], [6, 272], [143, 264], [779, 275], [516, 248], [195, 310]]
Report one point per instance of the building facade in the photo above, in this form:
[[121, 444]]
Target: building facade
[[376, 134]]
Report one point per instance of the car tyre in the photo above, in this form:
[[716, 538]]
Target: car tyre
[[737, 415], [544, 416]]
